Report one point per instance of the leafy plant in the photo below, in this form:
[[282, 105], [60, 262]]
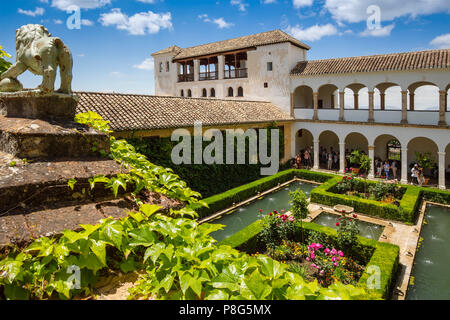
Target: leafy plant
[[4, 64], [425, 160], [277, 227], [347, 231]]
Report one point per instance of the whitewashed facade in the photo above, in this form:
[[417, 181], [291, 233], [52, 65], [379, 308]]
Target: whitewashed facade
[[327, 107]]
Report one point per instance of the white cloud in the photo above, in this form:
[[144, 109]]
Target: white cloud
[[356, 10], [378, 32], [442, 42], [86, 22], [220, 22], [139, 24], [148, 64], [36, 12], [302, 3], [58, 21], [240, 4], [147, 1], [313, 33], [270, 1], [83, 4]]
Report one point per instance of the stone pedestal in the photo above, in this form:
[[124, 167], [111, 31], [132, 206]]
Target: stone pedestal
[[34, 125], [37, 105]]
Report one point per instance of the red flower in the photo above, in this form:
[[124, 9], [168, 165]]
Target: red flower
[[355, 216], [260, 210], [337, 224]]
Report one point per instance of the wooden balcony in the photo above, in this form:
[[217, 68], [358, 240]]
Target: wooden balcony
[[186, 77], [214, 75], [236, 73]]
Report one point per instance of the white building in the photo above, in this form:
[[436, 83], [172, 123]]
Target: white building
[[347, 103]]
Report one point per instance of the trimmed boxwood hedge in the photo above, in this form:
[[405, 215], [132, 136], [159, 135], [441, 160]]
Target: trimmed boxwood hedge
[[384, 256], [225, 200], [406, 212]]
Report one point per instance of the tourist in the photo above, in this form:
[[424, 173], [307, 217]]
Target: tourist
[[379, 168], [420, 177], [394, 169], [415, 174], [336, 161], [306, 157], [330, 161], [299, 161], [387, 168]]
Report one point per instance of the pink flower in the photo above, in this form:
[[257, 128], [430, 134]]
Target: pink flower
[[313, 256], [291, 219], [270, 214], [334, 252], [355, 216], [260, 210], [322, 273], [335, 264], [307, 259], [283, 211], [333, 259], [340, 253], [327, 251]]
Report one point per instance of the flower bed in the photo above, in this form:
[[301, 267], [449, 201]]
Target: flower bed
[[404, 209], [374, 257]]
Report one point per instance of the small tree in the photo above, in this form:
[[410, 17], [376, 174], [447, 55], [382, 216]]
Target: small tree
[[425, 160], [299, 209]]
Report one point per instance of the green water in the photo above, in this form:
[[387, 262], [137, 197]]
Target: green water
[[244, 216], [431, 270], [366, 229]]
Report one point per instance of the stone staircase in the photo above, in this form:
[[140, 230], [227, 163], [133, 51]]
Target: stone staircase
[[39, 155]]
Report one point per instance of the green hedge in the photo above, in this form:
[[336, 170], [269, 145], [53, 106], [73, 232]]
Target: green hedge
[[225, 200], [406, 212], [384, 256], [435, 195]]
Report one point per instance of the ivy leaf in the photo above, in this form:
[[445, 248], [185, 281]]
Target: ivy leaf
[[99, 249], [142, 237], [15, 292], [154, 251], [112, 232], [149, 210], [255, 288], [71, 183], [218, 295]]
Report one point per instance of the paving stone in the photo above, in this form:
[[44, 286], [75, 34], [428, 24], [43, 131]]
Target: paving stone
[[55, 220], [13, 230]]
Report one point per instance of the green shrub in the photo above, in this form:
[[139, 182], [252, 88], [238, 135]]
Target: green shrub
[[375, 255]]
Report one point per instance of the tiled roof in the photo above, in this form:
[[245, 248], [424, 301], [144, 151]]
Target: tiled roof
[[174, 49], [431, 59], [128, 112], [260, 39]]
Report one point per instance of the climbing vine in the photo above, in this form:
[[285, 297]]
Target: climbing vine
[[180, 259]]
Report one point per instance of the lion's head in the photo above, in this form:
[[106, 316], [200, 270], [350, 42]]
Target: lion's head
[[29, 33]]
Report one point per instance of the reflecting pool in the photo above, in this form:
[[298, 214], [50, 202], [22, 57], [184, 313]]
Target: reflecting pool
[[244, 216], [430, 273], [366, 229]]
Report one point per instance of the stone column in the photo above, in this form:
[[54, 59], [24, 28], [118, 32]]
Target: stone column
[[342, 106], [292, 105], [442, 98], [316, 105], [371, 106], [316, 154], [411, 101], [342, 157], [382, 100], [221, 67], [196, 70], [404, 179], [372, 162], [356, 100], [442, 170], [404, 107]]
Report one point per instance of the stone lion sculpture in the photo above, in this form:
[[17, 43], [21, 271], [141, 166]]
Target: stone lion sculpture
[[40, 53]]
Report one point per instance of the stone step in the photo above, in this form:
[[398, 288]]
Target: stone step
[[22, 225], [32, 184], [40, 139]]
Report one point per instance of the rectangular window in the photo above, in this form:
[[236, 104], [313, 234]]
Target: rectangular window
[[269, 66], [266, 85], [167, 66]]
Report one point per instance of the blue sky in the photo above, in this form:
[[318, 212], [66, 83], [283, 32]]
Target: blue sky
[[112, 50]]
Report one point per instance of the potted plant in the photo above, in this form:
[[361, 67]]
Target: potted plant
[[360, 162]]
